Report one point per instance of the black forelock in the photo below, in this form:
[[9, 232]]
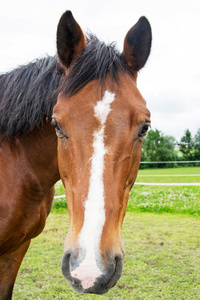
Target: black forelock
[[27, 96], [94, 62]]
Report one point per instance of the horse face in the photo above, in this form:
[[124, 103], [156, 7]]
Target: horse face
[[99, 149], [100, 134]]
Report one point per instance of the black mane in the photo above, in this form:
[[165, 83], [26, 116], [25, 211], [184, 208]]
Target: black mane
[[94, 62], [27, 96]]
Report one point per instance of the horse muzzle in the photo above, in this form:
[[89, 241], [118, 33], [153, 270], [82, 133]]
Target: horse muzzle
[[87, 278]]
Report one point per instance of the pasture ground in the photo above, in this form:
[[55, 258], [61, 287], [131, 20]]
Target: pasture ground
[[163, 175], [162, 243]]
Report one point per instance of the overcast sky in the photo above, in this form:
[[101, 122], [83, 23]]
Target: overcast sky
[[170, 81]]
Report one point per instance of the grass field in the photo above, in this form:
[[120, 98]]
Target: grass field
[[182, 175], [171, 199], [162, 240]]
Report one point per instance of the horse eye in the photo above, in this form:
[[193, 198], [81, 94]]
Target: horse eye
[[144, 130], [57, 128]]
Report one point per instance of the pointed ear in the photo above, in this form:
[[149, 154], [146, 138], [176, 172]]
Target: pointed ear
[[70, 39], [137, 44]]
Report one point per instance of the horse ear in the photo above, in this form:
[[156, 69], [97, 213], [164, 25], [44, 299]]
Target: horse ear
[[137, 44], [70, 38]]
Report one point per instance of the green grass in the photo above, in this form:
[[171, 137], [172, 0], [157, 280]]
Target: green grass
[[154, 175], [173, 171], [162, 260], [165, 199], [171, 199]]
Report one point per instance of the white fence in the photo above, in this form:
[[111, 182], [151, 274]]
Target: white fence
[[168, 183], [170, 162], [167, 175], [60, 196]]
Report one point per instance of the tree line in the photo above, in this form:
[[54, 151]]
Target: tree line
[[160, 147]]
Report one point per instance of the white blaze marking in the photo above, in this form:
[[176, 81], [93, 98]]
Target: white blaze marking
[[94, 217]]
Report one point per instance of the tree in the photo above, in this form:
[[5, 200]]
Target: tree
[[158, 147], [187, 146], [197, 145]]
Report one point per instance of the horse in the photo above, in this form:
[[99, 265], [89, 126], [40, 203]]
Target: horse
[[28, 160], [101, 120]]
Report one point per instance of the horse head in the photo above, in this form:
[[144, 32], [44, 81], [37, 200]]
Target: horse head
[[101, 120]]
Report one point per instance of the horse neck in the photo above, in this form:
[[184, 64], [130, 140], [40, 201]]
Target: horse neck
[[40, 151]]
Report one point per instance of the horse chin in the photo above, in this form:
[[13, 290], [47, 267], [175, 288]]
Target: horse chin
[[100, 285]]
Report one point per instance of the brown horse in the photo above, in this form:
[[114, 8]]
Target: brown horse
[[101, 120], [28, 161]]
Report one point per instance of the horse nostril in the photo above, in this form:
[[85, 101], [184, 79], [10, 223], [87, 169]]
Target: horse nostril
[[119, 265], [118, 260], [65, 264], [117, 272]]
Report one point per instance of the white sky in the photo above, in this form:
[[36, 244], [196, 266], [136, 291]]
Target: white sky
[[170, 81]]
